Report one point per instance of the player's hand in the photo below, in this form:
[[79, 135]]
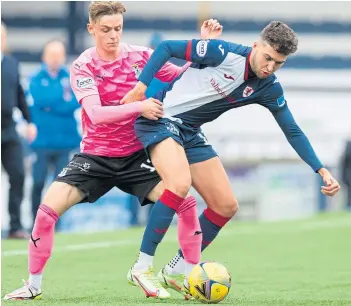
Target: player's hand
[[211, 29], [331, 184], [152, 109], [31, 132], [136, 94]]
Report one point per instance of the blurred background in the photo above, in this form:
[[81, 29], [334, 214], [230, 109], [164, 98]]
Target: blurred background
[[267, 176]]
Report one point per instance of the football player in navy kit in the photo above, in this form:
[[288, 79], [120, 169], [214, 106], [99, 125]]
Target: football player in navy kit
[[223, 76]]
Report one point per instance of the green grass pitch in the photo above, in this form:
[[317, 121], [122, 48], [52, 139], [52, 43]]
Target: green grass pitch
[[306, 262]]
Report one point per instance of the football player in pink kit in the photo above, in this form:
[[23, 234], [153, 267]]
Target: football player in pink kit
[[111, 156]]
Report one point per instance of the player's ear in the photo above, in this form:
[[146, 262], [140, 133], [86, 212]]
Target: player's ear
[[90, 29]]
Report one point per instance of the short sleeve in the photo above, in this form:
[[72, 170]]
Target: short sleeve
[[82, 81]]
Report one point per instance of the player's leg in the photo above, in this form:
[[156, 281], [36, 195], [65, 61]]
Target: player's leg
[[163, 140], [142, 180], [59, 197], [71, 187], [211, 182], [188, 226]]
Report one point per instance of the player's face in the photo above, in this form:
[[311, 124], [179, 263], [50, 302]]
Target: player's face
[[265, 60], [107, 32]]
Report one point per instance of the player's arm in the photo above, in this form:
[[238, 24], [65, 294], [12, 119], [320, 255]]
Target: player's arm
[[86, 92], [297, 138], [205, 52], [169, 72], [210, 29], [303, 148]]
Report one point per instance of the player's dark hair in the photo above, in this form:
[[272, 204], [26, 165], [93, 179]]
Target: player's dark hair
[[280, 37], [97, 9]]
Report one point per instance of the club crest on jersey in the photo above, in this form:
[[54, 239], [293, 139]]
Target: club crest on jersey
[[201, 48], [281, 101], [248, 91], [136, 69]]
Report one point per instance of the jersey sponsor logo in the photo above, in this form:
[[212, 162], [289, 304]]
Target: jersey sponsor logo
[[85, 83], [220, 47], [201, 48], [216, 86], [248, 91], [281, 101]]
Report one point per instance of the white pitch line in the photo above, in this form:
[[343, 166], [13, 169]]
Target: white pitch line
[[291, 228], [76, 247]]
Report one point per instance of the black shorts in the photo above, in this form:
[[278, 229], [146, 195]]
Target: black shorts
[[96, 175]]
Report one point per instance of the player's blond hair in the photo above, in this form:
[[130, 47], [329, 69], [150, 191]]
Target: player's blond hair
[[97, 9]]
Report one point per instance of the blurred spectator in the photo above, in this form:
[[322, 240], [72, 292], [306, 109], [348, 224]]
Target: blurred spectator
[[134, 206], [346, 172], [12, 95], [53, 110]]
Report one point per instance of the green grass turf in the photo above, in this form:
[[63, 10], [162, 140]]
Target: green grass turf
[[306, 262]]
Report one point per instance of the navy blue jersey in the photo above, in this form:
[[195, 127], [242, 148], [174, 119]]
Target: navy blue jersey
[[217, 81]]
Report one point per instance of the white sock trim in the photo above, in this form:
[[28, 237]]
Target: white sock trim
[[176, 265], [144, 262], [35, 281]]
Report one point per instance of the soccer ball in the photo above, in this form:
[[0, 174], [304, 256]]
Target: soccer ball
[[209, 282]]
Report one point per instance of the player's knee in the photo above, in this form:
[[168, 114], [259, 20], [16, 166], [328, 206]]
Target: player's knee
[[62, 196], [229, 207], [180, 184]]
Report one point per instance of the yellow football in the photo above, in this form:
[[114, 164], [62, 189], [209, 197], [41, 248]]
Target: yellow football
[[209, 282]]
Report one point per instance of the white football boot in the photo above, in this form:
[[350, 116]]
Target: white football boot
[[148, 282], [24, 293]]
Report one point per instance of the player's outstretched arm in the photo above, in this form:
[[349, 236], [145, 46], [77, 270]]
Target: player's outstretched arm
[[210, 29], [303, 148], [204, 52], [98, 114]]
